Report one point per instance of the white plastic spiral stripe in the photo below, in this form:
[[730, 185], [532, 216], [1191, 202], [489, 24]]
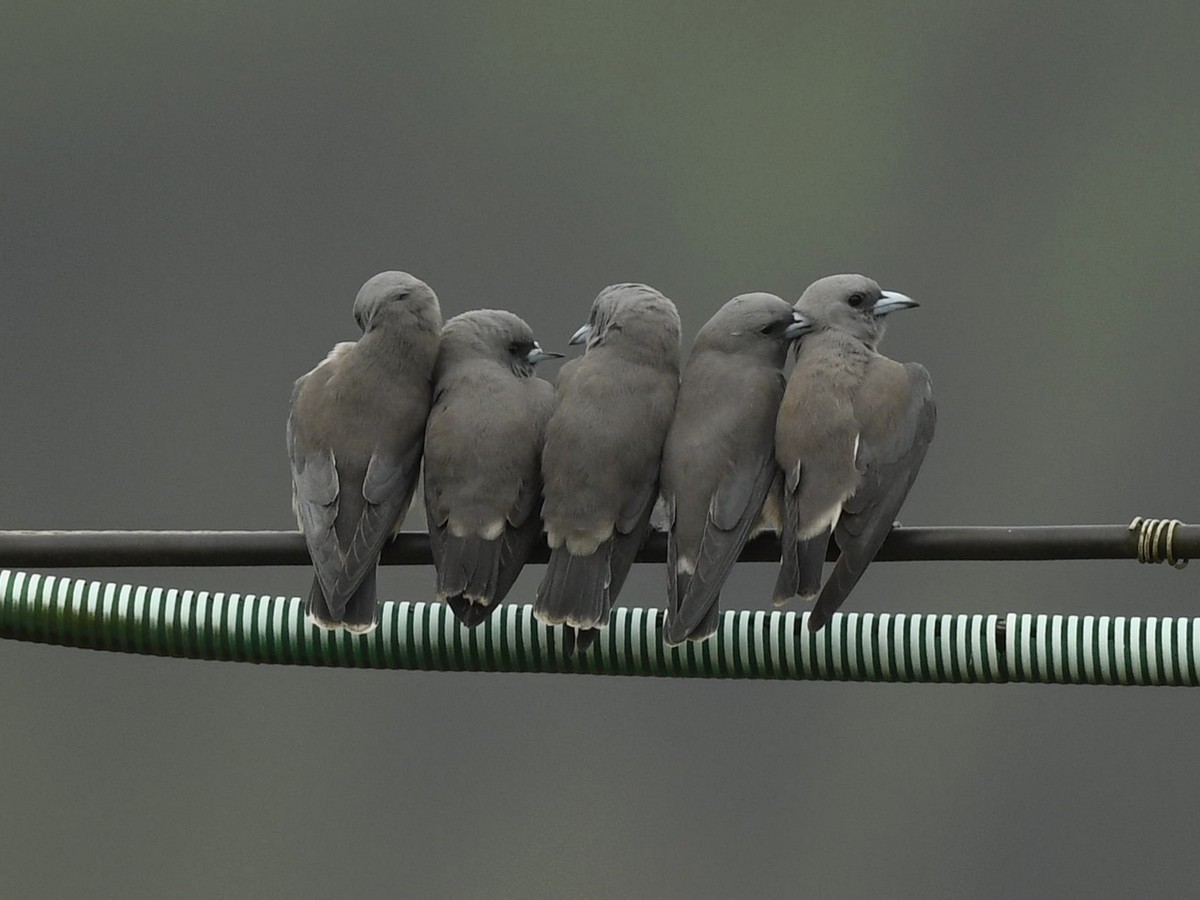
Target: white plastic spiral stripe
[[748, 644]]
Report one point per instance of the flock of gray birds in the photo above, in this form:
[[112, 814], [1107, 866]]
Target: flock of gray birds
[[730, 447]]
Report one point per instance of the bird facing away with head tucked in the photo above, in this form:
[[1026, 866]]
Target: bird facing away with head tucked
[[483, 448], [603, 451], [852, 432], [355, 433], [719, 459]]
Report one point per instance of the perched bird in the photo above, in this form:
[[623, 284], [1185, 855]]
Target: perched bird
[[852, 431], [719, 458], [355, 433], [483, 448], [603, 451]]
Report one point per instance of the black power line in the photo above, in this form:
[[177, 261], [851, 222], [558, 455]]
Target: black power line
[[129, 549]]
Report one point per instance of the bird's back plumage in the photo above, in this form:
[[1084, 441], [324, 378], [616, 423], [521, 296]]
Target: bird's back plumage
[[718, 462], [354, 441], [482, 459], [603, 451]]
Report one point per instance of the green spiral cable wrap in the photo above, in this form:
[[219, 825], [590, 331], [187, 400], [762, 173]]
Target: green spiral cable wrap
[[749, 644]]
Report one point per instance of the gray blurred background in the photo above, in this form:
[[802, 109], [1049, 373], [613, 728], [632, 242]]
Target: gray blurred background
[[192, 195]]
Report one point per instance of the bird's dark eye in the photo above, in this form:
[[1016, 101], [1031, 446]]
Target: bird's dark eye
[[857, 299], [769, 328], [520, 348]]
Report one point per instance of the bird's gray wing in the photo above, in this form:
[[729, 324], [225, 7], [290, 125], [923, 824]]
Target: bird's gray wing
[[523, 533], [437, 529], [732, 515], [789, 560], [626, 545], [676, 580], [888, 464], [633, 519], [315, 497], [524, 529], [386, 491]]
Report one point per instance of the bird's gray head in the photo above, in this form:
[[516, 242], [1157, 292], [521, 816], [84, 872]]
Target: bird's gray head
[[636, 318], [762, 325], [494, 335], [397, 298], [850, 303]]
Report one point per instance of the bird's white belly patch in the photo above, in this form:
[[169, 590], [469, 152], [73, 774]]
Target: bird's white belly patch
[[580, 542], [488, 531], [827, 519]]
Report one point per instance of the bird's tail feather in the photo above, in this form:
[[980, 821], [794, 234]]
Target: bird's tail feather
[[841, 582], [677, 581], [709, 624], [469, 612], [704, 629], [469, 566], [317, 608], [785, 582], [858, 545], [788, 581], [360, 613], [582, 639], [624, 551], [575, 588], [677, 586], [810, 556], [515, 546]]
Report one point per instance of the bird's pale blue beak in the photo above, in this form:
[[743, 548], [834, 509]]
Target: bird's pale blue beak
[[581, 336], [799, 326], [892, 301], [537, 354]]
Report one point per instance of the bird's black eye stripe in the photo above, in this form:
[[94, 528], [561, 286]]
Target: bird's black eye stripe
[[857, 299], [520, 348]]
